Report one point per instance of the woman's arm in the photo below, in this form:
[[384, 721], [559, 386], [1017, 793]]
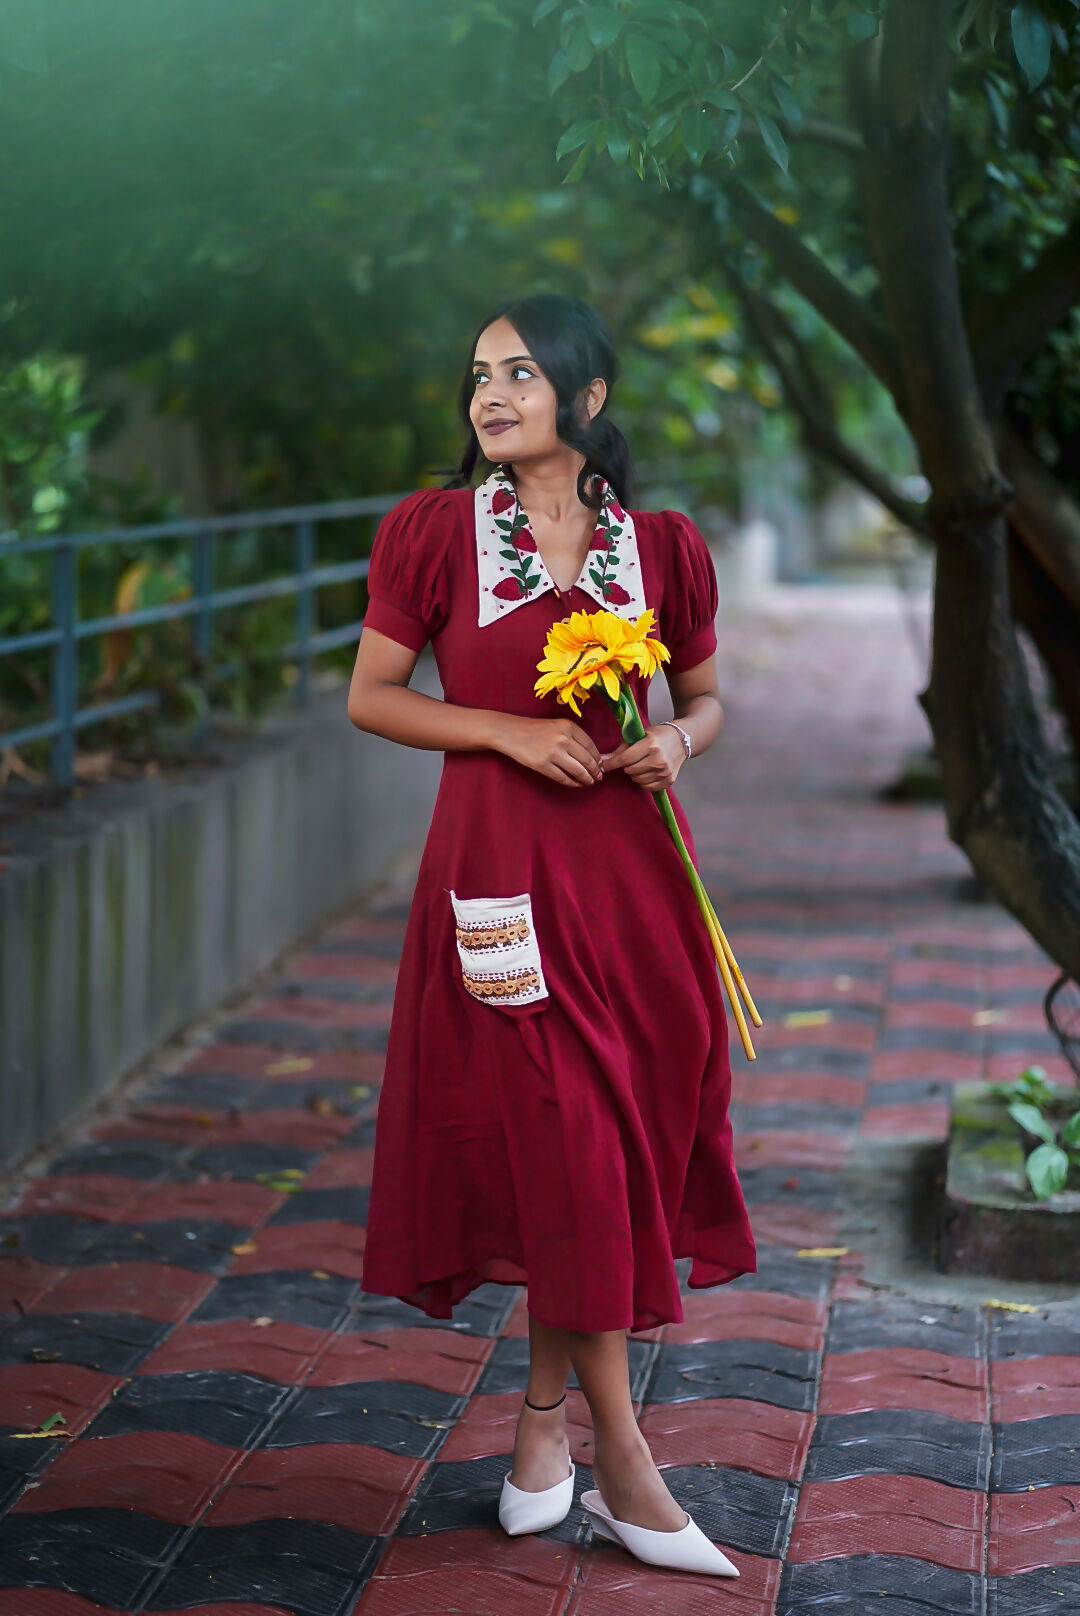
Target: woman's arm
[[655, 761], [381, 702]]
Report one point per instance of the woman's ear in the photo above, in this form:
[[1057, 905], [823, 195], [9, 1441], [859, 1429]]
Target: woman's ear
[[592, 398]]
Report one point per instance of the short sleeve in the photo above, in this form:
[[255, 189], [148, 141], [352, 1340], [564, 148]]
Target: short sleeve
[[691, 597], [408, 585]]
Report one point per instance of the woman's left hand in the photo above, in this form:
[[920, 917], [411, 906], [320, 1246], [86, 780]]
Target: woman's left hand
[[652, 762]]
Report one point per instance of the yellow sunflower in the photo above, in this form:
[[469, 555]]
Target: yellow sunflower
[[591, 646]]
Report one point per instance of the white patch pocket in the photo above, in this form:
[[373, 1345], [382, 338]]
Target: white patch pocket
[[497, 947]]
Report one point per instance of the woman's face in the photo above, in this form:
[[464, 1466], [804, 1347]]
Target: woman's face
[[513, 404]]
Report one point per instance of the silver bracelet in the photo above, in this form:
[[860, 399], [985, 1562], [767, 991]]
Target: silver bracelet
[[685, 737]]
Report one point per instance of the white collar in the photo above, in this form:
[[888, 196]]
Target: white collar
[[512, 571]]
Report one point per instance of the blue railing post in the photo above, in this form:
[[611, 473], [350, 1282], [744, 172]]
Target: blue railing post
[[64, 671], [203, 580], [305, 606]]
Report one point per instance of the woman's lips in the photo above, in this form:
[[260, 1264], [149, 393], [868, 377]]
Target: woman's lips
[[499, 426]]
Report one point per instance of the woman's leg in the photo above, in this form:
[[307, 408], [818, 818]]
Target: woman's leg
[[625, 1473], [541, 1451]]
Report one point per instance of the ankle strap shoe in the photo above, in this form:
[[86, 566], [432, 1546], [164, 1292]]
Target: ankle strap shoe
[[520, 1511], [687, 1549]]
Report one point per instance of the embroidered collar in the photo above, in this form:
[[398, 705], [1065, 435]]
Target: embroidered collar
[[512, 571]]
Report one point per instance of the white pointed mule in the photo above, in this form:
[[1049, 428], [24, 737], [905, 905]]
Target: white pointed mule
[[520, 1511], [688, 1549]]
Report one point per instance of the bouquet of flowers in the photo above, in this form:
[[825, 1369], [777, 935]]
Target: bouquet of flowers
[[590, 650]]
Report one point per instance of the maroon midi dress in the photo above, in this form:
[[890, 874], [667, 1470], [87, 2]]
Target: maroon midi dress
[[554, 1108]]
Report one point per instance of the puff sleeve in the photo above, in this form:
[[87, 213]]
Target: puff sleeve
[[691, 597], [408, 585]]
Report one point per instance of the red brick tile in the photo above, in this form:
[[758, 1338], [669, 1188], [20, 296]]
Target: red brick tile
[[104, 1196], [339, 967], [342, 1168], [613, 1583], [309, 1011], [936, 973], [792, 1224], [729, 1431], [344, 1484], [835, 1034], [24, 1281], [712, 1315], [778, 1146], [797, 1088], [905, 1515], [30, 1392], [154, 1290], [1006, 1068], [268, 1062], [54, 1602], [1032, 1388], [181, 1124], [278, 1351], [517, 1325], [220, 1200], [471, 1573], [1040, 1527], [944, 1066], [904, 1377], [932, 1014], [424, 1356], [924, 1119], [489, 1422], [332, 1247], [167, 1474]]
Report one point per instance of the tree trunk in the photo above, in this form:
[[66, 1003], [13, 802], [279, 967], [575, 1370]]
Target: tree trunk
[[1001, 805], [1039, 605]]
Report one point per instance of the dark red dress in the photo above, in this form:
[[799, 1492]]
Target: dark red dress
[[554, 1109]]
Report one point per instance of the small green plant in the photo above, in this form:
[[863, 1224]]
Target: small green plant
[[1029, 1098]]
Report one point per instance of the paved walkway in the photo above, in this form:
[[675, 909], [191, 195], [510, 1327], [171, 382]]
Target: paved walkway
[[247, 1433]]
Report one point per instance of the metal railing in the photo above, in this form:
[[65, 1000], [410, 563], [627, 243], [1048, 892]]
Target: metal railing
[[67, 630]]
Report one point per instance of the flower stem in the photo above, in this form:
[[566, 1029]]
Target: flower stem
[[634, 730]]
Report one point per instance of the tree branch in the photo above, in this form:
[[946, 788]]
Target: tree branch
[[1044, 517], [848, 315], [818, 130], [1008, 327], [810, 399]]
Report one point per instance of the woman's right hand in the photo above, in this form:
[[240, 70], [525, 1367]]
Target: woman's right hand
[[556, 747]]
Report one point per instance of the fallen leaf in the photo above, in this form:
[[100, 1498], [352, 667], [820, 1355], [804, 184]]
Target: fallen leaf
[[823, 1251], [244, 1249], [807, 1018], [988, 1018], [293, 1063], [1010, 1307]]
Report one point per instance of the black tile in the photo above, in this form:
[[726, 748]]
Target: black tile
[[853, 1585], [778, 1269], [735, 1508], [292, 1295], [816, 1058], [507, 1369], [813, 1185], [348, 1094], [216, 1091], [941, 993], [343, 989], [116, 1343], [307, 1567], [346, 1204], [63, 1238], [393, 1414], [250, 1161], [958, 1040], [1048, 1591], [222, 1406], [1036, 1453], [910, 1442], [1040, 1044], [908, 1091], [380, 947], [463, 1494], [762, 1370], [299, 1036], [362, 1134], [483, 1312], [128, 1158], [196, 1243], [1051, 1333], [897, 1321], [809, 1118], [19, 1461], [109, 1556]]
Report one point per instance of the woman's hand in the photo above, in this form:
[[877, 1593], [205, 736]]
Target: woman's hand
[[653, 762], [556, 747]]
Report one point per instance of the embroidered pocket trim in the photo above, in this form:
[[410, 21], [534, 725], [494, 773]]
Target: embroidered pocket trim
[[498, 950]]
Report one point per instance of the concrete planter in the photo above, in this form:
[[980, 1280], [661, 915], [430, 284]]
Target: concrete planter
[[991, 1221]]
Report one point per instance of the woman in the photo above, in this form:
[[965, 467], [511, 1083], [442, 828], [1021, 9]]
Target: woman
[[554, 1109]]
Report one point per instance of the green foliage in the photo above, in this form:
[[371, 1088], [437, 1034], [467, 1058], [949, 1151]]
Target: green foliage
[[1049, 1163]]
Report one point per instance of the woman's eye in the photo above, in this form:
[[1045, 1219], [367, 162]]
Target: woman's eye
[[520, 371], [478, 377]]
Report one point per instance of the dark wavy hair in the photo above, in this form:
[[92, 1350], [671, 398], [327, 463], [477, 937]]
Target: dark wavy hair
[[572, 346]]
